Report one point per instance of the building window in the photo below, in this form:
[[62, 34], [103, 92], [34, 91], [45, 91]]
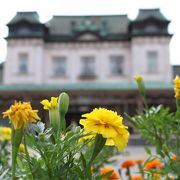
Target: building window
[[23, 30], [23, 63], [152, 62], [116, 65], [151, 28], [59, 66], [87, 65]]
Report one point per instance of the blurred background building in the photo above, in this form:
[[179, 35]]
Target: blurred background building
[[77, 49], [93, 58]]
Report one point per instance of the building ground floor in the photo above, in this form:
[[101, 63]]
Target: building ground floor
[[123, 98]]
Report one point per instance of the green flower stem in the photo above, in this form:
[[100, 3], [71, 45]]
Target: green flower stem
[[141, 170], [17, 135], [145, 102], [128, 173], [120, 173], [142, 91], [45, 160], [178, 106], [28, 158], [98, 146]]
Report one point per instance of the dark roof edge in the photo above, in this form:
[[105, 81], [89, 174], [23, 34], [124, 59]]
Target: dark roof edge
[[106, 15], [150, 35], [149, 9]]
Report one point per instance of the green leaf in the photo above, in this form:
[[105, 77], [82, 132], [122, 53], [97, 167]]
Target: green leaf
[[147, 149], [2, 176], [83, 160]]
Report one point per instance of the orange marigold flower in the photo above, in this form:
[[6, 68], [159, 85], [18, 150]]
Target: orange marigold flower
[[157, 175], [139, 161], [171, 178], [136, 178], [174, 157], [153, 164], [112, 176], [128, 163]]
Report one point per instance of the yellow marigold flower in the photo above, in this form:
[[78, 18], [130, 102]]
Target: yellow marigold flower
[[20, 114], [21, 148], [108, 124], [5, 134], [92, 168], [138, 78], [177, 87], [53, 104]]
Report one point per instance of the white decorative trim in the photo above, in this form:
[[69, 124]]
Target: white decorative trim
[[25, 42]]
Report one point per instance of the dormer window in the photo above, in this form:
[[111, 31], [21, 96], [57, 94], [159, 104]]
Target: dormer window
[[23, 30], [151, 28]]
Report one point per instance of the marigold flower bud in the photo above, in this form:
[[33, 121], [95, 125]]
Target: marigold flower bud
[[63, 103], [140, 82], [63, 108]]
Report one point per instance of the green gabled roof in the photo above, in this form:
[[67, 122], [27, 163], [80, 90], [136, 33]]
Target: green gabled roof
[[103, 27], [112, 24], [31, 17], [84, 86], [150, 13]]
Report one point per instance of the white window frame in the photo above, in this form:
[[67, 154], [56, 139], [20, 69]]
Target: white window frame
[[23, 63], [117, 65], [152, 62], [59, 66], [88, 65]]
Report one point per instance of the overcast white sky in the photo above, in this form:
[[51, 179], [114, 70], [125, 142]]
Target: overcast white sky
[[48, 8]]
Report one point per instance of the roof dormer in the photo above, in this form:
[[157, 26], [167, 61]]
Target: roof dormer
[[149, 22], [25, 25]]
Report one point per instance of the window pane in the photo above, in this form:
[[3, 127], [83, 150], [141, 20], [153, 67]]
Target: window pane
[[59, 66], [116, 65], [23, 63], [88, 65], [23, 30], [152, 62]]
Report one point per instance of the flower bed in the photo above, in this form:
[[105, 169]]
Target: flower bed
[[29, 150]]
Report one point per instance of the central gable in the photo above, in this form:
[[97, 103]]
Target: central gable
[[87, 37]]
